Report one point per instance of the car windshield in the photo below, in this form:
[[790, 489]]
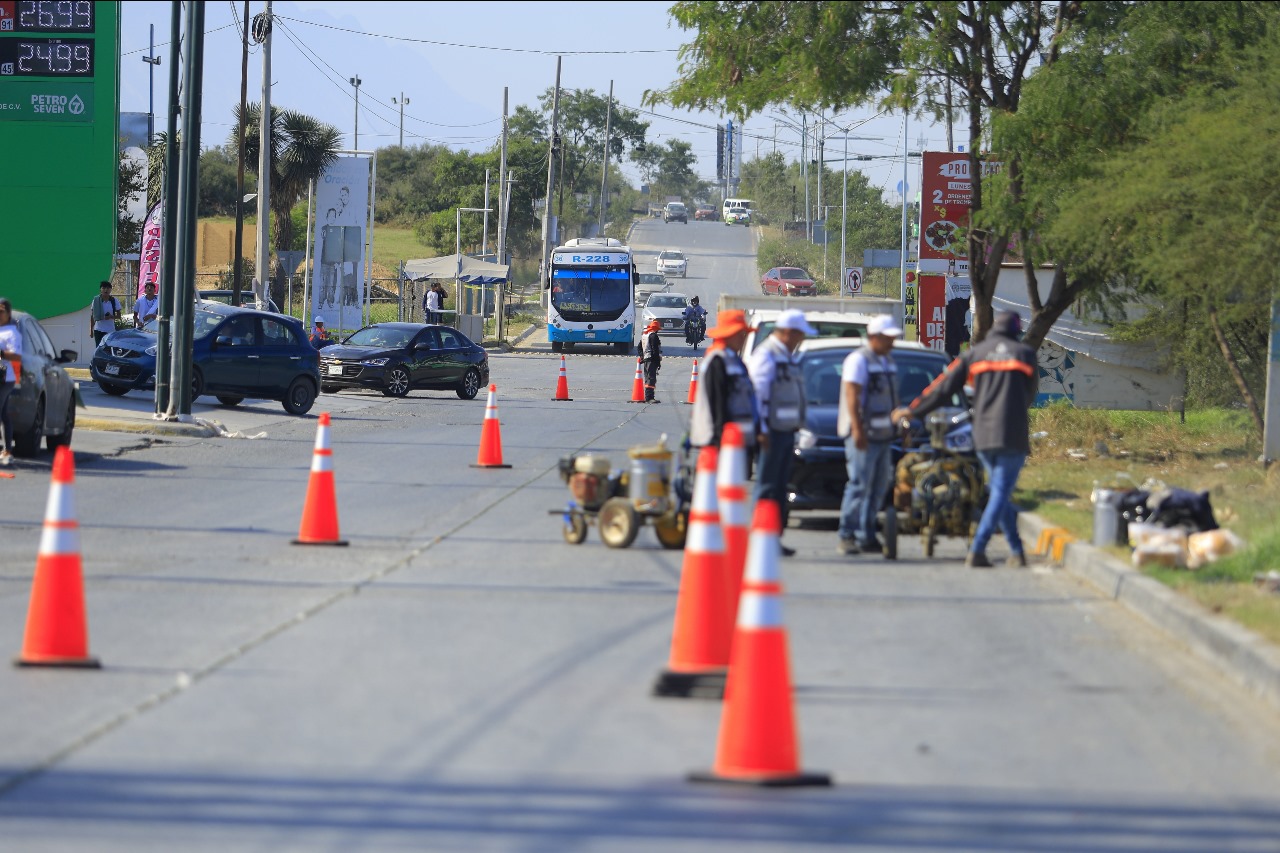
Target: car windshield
[[380, 336], [792, 273], [665, 301], [672, 256], [738, 210], [205, 322], [652, 278], [822, 370]]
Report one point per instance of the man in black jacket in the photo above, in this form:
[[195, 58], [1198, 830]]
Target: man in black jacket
[[651, 359], [1002, 371]]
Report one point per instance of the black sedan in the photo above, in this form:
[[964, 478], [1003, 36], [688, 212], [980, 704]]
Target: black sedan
[[396, 358], [236, 353], [44, 405], [818, 472]]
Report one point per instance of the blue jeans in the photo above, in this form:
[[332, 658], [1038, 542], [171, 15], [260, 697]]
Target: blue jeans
[[869, 476], [1003, 467], [775, 470]]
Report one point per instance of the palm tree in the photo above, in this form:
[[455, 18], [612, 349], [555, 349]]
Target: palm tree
[[302, 147]]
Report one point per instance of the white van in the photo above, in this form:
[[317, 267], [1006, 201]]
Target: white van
[[736, 202]]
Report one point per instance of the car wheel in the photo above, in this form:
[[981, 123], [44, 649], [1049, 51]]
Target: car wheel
[[300, 396], [229, 400], [28, 443], [329, 389], [764, 290], [470, 386], [113, 390], [197, 383], [397, 383], [63, 439]]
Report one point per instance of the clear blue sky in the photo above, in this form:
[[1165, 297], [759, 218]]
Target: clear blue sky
[[452, 60]]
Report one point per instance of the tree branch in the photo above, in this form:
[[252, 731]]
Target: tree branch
[[1228, 354]]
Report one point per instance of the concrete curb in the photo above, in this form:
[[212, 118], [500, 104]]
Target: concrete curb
[[176, 428], [1242, 655]]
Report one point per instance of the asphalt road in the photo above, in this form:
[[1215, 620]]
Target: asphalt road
[[459, 678]]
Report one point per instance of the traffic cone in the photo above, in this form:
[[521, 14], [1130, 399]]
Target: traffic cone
[[562, 385], [637, 387], [700, 638], [693, 384], [490, 455], [735, 511], [320, 512], [57, 631], [757, 744]]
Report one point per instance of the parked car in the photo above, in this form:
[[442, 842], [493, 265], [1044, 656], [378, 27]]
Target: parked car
[[396, 358], [246, 299], [706, 212], [849, 325], [818, 472], [237, 353], [675, 212], [788, 281], [672, 262], [649, 283], [43, 406], [668, 310], [737, 216]]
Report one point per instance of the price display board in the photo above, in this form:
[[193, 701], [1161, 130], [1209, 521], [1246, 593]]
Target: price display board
[[59, 101]]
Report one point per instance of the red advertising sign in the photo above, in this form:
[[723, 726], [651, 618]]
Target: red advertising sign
[[931, 316], [944, 212]]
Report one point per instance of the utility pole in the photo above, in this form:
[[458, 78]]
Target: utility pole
[[169, 252], [906, 240], [804, 173], [551, 171], [822, 132], [1271, 410], [263, 263], [237, 267], [403, 100], [184, 303], [499, 297], [604, 180], [152, 60], [355, 136]]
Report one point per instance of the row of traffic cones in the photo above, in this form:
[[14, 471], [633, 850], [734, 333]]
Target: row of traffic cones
[[728, 641]]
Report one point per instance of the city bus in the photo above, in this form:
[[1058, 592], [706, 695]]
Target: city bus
[[592, 295]]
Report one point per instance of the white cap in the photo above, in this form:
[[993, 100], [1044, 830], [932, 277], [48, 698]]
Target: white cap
[[319, 319], [882, 324], [793, 318]]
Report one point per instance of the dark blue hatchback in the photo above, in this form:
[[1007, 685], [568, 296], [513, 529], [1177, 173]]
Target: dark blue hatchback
[[236, 353]]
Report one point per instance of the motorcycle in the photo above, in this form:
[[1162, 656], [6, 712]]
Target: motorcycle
[[695, 331]]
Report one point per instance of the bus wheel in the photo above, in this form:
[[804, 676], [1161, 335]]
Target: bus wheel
[[618, 523], [621, 348], [568, 346], [556, 346]]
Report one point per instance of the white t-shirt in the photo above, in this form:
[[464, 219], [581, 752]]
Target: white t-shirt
[[857, 369], [10, 341]]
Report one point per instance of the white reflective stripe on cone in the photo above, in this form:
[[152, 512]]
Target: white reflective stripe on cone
[[321, 463], [763, 553], [58, 539], [61, 505], [322, 438], [759, 610], [734, 512], [703, 536]]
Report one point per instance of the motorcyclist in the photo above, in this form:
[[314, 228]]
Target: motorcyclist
[[695, 322]]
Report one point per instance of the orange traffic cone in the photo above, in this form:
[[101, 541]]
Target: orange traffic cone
[[757, 744], [57, 631], [320, 512], [490, 455], [702, 632], [735, 511], [637, 387], [693, 384], [562, 385]]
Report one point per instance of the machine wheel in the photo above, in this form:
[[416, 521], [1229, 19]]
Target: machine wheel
[[575, 528], [929, 538], [618, 523], [890, 533], [397, 383], [671, 530]]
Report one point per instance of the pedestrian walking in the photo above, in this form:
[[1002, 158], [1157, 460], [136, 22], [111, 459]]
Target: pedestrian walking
[[725, 393], [1002, 371], [104, 310], [651, 360], [11, 354], [868, 397], [780, 391]]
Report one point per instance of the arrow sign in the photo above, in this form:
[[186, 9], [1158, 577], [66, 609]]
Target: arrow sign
[[853, 281]]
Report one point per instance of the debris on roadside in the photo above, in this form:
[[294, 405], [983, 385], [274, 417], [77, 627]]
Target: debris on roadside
[[1077, 454], [1267, 581]]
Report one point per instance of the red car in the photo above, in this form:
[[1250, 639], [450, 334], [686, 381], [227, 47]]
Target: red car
[[788, 281], [705, 213]]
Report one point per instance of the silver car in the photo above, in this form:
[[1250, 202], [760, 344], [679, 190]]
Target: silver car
[[668, 310], [44, 405], [672, 262]]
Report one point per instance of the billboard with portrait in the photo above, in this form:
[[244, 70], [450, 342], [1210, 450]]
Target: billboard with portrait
[[342, 217]]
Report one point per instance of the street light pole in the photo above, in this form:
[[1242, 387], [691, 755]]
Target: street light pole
[[152, 60], [403, 100], [355, 137]]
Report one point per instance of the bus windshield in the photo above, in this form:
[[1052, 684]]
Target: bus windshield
[[590, 295]]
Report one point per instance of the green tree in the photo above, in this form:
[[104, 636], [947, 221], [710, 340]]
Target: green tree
[[217, 182], [668, 169], [130, 183]]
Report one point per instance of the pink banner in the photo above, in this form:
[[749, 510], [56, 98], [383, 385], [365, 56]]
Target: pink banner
[[149, 253]]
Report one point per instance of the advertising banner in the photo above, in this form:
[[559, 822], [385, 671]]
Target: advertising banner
[[931, 324], [342, 215], [944, 213], [149, 248]]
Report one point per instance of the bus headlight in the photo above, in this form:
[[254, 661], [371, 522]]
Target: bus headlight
[[806, 439]]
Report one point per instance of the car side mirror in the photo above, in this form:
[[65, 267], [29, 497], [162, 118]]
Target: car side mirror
[[67, 356], [222, 341]]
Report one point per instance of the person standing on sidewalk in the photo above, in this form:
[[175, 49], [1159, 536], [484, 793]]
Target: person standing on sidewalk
[[868, 396], [725, 393], [147, 307], [780, 390], [651, 360], [11, 353], [431, 305], [1003, 373], [104, 310]]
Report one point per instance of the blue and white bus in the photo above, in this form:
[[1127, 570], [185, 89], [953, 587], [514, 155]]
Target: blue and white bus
[[592, 295]]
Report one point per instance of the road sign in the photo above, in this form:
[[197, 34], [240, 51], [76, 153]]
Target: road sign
[[853, 281]]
